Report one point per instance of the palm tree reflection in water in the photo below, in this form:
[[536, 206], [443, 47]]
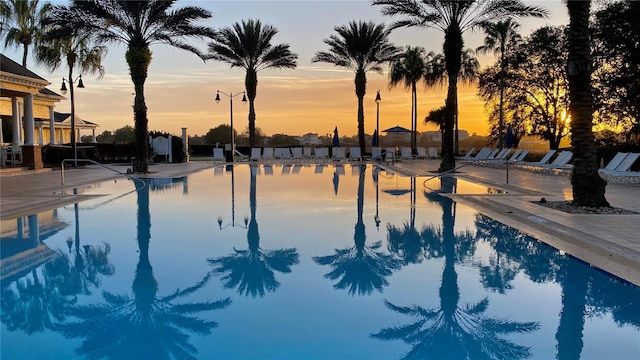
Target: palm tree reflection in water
[[144, 326], [361, 268], [252, 270], [452, 331]]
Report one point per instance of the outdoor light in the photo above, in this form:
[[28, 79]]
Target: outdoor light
[[69, 243], [378, 100], [246, 220], [220, 222], [231, 96], [63, 90], [377, 220]]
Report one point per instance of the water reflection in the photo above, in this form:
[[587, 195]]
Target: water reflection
[[251, 271], [145, 325], [454, 331], [361, 268], [585, 292]]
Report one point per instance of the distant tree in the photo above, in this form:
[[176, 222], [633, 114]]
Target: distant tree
[[124, 135], [500, 35], [106, 137], [243, 138], [220, 134], [247, 45], [413, 66], [21, 23], [137, 25], [536, 85], [616, 55], [283, 140], [362, 47]]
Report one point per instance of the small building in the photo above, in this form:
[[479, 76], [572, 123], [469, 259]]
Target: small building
[[309, 139]]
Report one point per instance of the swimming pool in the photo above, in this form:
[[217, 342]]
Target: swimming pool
[[298, 262]]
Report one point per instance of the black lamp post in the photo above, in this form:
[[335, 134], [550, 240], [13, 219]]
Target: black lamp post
[[63, 90], [244, 101], [378, 100]]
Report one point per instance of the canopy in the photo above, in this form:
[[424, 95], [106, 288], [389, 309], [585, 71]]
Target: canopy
[[397, 129]]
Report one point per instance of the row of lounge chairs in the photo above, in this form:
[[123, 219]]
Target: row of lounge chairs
[[618, 170], [497, 156], [337, 154]]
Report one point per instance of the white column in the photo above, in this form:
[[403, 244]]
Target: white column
[[15, 126], [28, 119], [93, 136], [185, 143], [40, 134], [52, 127]]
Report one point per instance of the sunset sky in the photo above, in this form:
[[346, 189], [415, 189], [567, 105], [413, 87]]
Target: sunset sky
[[180, 88]]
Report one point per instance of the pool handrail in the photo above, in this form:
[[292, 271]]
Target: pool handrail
[[96, 163]]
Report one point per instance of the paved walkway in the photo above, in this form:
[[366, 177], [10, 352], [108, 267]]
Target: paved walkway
[[610, 242]]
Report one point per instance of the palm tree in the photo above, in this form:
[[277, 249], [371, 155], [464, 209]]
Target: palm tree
[[137, 25], [145, 325], [252, 270], [248, 46], [362, 47], [21, 23], [78, 53], [360, 268], [499, 35], [588, 186], [410, 68], [453, 18]]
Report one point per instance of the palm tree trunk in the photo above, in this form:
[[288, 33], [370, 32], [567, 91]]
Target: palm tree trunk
[[453, 45], [588, 186], [138, 59], [414, 120], [501, 116], [25, 53], [361, 89], [251, 85]]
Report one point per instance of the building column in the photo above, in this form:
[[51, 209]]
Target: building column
[[52, 128], [185, 143], [15, 119], [28, 120], [93, 136]]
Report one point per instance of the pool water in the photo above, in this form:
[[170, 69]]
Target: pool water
[[298, 262]]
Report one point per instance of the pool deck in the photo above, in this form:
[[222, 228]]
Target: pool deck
[[610, 242]]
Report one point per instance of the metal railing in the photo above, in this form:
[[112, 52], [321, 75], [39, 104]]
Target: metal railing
[[102, 165]]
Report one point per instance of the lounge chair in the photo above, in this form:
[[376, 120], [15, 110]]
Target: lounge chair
[[433, 153], [307, 152], [355, 153], [376, 153], [560, 162], [467, 156], [322, 153], [622, 174], [405, 153], [422, 153], [625, 164], [390, 154], [268, 169], [544, 160], [296, 152], [340, 169], [296, 169], [218, 154], [520, 158], [319, 168], [267, 153], [514, 156], [615, 162], [483, 154], [256, 154], [286, 169], [339, 153]]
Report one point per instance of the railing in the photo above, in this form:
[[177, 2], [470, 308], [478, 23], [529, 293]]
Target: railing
[[102, 165]]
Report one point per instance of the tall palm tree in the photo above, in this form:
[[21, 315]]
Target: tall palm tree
[[21, 23], [453, 18], [252, 270], [499, 35], [77, 52], [248, 46], [137, 25], [362, 47], [360, 268], [588, 186], [410, 68]]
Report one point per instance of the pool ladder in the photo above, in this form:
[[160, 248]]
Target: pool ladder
[[97, 163]]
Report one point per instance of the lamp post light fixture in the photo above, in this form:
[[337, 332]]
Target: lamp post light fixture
[[63, 90], [233, 223], [244, 101], [378, 100]]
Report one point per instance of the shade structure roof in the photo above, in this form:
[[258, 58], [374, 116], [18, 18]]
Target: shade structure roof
[[396, 129]]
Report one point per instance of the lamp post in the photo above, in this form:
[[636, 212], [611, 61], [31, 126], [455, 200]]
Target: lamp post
[[63, 90], [378, 100], [244, 101], [233, 205]]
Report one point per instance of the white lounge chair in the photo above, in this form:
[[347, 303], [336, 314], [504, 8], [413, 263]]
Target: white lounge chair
[[296, 152], [560, 162], [615, 162], [339, 153], [307, 152], [625, 164], [520, 158], [433, 153], [256, 154], [467, 156], [483, 154], [544, 160], [218, 154], [376, 153], [355, 153], [421, 153], [514, 156], [322, 153], [267, 153], [622, 174], [390, 154], [405, 153]]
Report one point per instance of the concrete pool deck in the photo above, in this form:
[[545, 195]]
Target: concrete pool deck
[[609, 242]]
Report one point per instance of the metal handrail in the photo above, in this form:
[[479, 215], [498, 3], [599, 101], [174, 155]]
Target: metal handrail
[[102, 165], [461, 166]]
